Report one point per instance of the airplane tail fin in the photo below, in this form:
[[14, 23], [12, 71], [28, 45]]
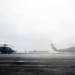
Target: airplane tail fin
[[53, 47]]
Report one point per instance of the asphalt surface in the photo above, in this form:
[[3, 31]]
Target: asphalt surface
[[37, 64]]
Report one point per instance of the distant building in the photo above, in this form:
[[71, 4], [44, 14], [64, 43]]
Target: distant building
[[35, 51]]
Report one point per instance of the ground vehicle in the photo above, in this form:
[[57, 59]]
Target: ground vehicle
[[5, 49]]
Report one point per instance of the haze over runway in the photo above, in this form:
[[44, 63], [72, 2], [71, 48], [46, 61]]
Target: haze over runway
[[32, 25]]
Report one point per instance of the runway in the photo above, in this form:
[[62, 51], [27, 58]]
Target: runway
[[37, 64]]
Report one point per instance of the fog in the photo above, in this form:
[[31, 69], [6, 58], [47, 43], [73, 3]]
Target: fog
[[32, 25]]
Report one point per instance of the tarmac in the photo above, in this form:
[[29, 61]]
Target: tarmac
[[37, 64]]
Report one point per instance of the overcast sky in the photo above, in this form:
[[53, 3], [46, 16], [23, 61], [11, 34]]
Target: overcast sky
[[33, 24]]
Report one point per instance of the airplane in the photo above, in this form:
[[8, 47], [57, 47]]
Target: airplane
[[4, 49], [70, 49]]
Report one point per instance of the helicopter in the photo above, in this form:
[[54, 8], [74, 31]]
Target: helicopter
[[70, 49], [5, 49]]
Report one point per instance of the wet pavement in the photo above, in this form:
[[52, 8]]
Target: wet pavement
[[37, 64]]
